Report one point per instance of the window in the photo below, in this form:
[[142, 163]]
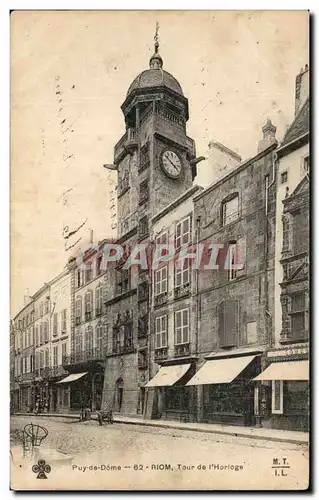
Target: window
[[46, 331], [36, 335], [251, 331], [29, 337], [55, 355], [306, 164], [37, 360], [41, 334], [63, 320], [99, 337], [41, 309], [160, 332], [78, 310], [161, 280], [55, 324], [182, 274], [79, 278], [143, 226], [98, 300], [41, 359], [182, 327], [285, 234], [63, 351], [23, 323], [228, 312], [88, 272], [46, 306], [27, 320], [88, 339], [88, 304], [182, 233], [78, 342], [277, 396], [123, 281], [46, 359], [231, 264], [284, 177], [144, 192], [98, 264], [230, 209], [298, 316], [162, 239]]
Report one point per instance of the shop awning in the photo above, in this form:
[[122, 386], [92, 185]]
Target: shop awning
[[168, 375], [288, 370], [220, 371], [71, 378]]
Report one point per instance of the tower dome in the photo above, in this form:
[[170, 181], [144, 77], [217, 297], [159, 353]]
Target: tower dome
[[155, 76]]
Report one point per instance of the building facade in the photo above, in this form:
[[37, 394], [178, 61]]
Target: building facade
[[287, 376]]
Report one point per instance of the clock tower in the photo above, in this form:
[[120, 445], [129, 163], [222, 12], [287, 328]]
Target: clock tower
[[154, 156]]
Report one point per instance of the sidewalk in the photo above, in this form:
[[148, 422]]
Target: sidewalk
[[295, 437]]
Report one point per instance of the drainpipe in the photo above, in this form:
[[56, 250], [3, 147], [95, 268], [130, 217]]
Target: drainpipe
[[268, 316], [199, 390]]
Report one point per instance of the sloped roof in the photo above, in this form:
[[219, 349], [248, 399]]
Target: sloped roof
[[155, 78], [299, 126]]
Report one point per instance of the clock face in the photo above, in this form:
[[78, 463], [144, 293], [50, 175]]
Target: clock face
[[171, 163]]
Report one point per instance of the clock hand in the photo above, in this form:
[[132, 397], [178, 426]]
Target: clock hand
[[172, 163]]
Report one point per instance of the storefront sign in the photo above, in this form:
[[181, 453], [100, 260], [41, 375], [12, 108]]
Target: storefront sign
[[293, 351]]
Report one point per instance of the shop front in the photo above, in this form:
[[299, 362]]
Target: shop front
[[227, 395], [286, 383], [81, 390], [172, 399]]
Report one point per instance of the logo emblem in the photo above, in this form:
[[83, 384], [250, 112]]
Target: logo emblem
[[42, 468]]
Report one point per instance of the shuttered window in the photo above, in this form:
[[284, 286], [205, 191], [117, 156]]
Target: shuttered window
[[228, 323]]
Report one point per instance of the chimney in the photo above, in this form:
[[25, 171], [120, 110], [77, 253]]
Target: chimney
[[302, 88], [91, 235], [269, 136]]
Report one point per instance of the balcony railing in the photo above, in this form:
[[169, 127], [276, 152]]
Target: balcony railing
[[161, 353], [160, 299], [182, 350], [57, 371], [182, 291], [125, 144], [96, 354], [119, 348]]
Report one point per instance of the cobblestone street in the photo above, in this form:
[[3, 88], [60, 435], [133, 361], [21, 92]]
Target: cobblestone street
[[145, 450]]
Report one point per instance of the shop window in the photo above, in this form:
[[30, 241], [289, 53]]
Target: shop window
[[277, 396], [297, 397], [230, 209]]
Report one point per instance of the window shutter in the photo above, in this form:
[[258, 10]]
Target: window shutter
[[231, 323], [222, 333]]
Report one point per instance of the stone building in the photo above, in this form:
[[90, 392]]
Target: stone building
[[287, 375], [23, 325], [235, 301], [172, 342], [84, 352], [154, 165]]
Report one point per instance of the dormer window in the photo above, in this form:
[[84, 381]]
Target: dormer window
[[230, 209]]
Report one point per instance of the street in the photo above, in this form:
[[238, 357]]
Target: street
[[133, 456]]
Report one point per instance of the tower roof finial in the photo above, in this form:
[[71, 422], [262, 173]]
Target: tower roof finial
[[156, 62], [156, 42]]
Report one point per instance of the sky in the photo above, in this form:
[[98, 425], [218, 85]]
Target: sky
[[70, 72]]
